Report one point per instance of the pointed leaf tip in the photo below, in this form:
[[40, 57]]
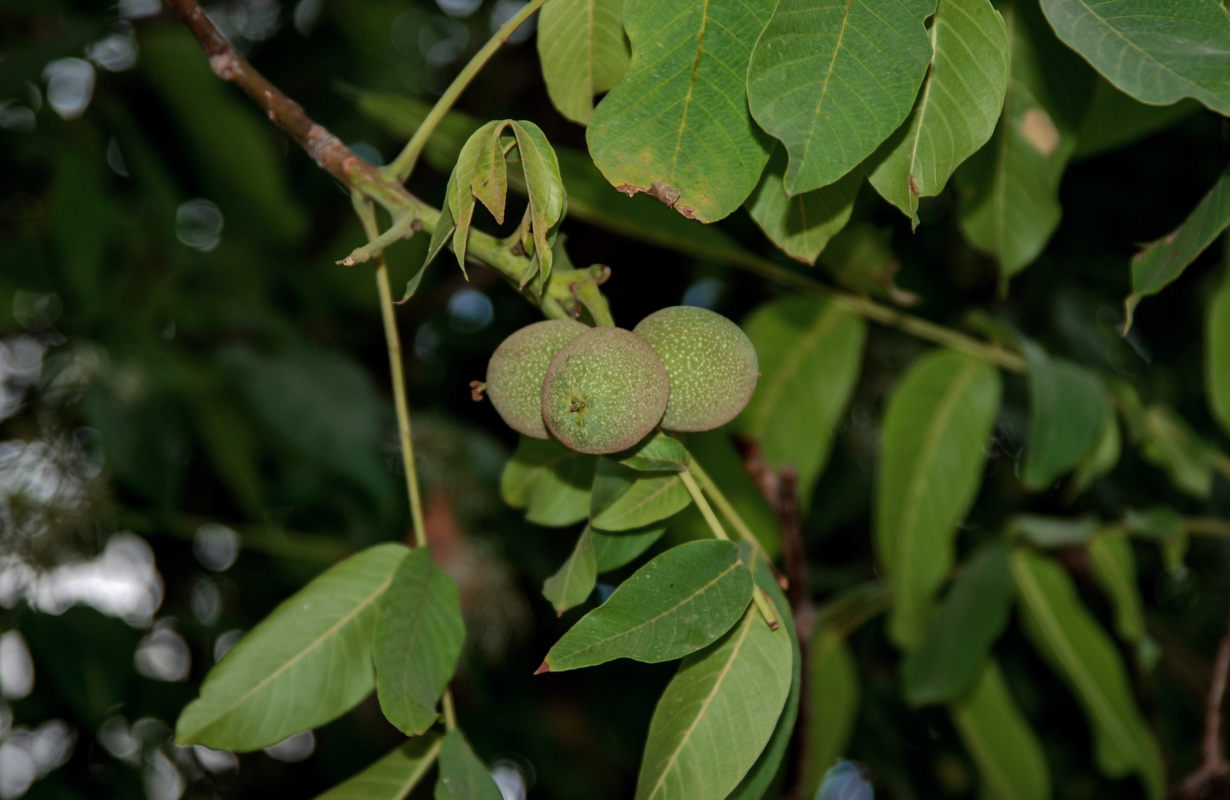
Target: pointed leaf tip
[[543, 667]]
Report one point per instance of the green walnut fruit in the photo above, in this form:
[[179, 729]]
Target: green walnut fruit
[[517, 368], [605, 390], [711, 362]]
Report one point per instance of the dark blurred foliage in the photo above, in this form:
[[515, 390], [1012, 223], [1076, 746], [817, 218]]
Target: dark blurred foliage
[[195, 415]]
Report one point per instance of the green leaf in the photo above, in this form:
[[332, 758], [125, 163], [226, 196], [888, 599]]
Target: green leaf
[[551, 482], [958, 642], [725, 700], [1043, 531], [832, 79], [1010, 189], [1110, 555], [677, 125], [624, 498], [489, 181], [1217, 353], [459, 195], [614, 549], [393, 776], [545, 189], [1113, 119], [462, 775], [1069, 637], [1101, 458], [956, 112], [658, 453], [1001, 741], [758, 779], [935, 435], [1169, 443], [317, 644], [810, 353], [861, 258], [1157, 52], [573, 582], [676, 604], [833, 688], [583, 52], [418, 640], [1163, 261], [801, 225], [1068, 409]]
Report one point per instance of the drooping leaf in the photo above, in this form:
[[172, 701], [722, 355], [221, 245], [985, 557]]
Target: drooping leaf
[[624, 498], [459, 196], [393, 776], [573, 582], [1010, 188], [659, 453], [956, 111], [677, 125], [724, 700], [801, 225], [462, 775], [1000, 739], [810, 353], [1159, 64], [958, 642], [1164, 260], [935, 432], [674, 605], [317, 644], [833, 79], [583, 52], [1110, 555], [419, 637], [1068, 409], [1069, 637], [545, 189], [1114, 119], [551, 482], [614, 549], [833, 688], [1217, 353]]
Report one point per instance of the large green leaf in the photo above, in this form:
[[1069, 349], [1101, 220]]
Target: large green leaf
[[1163, 261], [935, 435], [803, 224], [958, 642], [624, 498], [549, 481], [1066, 633], [1003, 745], [677, 125], [810, 353], [1114, 567], [462, 775], [1069, 408], [717, 714], [1158, 51], [418, 641], [393, 776], [955, 114], [317, 644], [832, 79], [573, 582], [1010, 188], [614, 549], [674, 605], [833, 688], [583, 52], [1217, 353]]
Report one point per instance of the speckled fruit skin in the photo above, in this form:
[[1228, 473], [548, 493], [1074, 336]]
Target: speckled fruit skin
[[605, 390], [518, 367], [711, 362]]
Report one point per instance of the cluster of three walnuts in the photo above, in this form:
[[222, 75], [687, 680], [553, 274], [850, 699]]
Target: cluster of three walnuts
[[602, 390]]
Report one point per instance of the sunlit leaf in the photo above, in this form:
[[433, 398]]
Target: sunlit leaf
[[956, 111], [1163, 261], [317, 644], [624, 498], [1001, 741], [803, 224], [392, 777], [674, 605], [1069, 637], [1114, 567], [935, 434], [551, 482], [1069, 407], [418, 640], [1217, 353], [677, 125], [573, 582], [1159, 64], [583, 52], [832, 80], [462, 775]]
